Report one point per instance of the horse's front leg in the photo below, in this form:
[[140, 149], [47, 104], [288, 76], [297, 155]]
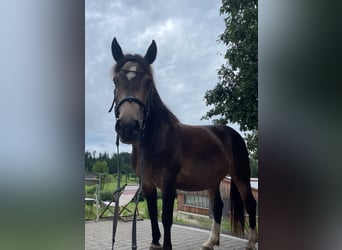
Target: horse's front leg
[[151, 198], [169, 192]]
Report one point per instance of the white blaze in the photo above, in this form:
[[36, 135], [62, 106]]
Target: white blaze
[[130, 75]]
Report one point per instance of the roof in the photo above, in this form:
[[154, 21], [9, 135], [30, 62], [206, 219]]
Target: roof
[[254, 182]]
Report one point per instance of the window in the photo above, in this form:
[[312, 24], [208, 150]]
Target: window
[[196, 201]]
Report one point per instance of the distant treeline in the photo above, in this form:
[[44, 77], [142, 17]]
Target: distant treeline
[[107, 164]]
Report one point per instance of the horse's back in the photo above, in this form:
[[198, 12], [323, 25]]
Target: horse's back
[[228, 136]]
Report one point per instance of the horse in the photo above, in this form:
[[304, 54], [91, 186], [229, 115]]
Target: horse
[[170, 155]]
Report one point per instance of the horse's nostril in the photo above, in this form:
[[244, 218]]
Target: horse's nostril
[[128, 130], [131, 127], [135, 126]]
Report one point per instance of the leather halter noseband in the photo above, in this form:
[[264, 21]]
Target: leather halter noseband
[[129, 99]]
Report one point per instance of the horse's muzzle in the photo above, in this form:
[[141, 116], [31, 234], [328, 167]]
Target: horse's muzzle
[[128, 131]]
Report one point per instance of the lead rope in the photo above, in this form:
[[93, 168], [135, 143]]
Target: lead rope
[[116, 194], [137, 198]]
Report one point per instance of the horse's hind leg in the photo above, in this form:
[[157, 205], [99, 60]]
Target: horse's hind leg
[[250, 204], [240, 173], [217, 205]]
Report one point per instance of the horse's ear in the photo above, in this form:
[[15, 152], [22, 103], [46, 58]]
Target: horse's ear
[[151, 53], [116, 50]]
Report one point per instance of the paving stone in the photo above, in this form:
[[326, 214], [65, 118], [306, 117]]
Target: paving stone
[[98, 236]]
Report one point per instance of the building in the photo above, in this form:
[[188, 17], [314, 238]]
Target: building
[[198, 202]]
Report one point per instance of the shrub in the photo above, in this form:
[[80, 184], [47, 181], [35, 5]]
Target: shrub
[[90, 191], [106, 195]]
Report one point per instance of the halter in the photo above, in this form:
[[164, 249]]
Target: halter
[[145, 108], [130, 99]]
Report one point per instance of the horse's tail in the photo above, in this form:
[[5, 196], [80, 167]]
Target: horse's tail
[[240, 173], [237, 216], [241, 176]]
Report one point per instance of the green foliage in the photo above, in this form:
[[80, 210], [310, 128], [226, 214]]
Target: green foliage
[[254, 167], [235, 97], [124, 159], [88, 163], [100, 167], [106, 195], [252, 144], [90, 191]]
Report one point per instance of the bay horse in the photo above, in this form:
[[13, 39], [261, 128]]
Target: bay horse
[[169, 155]]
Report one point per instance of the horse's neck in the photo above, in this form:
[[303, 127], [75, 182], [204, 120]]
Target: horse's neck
[[161, 120], [159, 126]]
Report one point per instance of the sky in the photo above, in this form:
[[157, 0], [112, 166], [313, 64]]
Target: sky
[[188, 57]]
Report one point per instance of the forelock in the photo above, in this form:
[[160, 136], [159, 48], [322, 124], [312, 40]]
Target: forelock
[[133, 58]]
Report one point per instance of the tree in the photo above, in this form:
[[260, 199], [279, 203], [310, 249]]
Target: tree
[[105, 164], [100, 167], [88, 161], [235, 97]]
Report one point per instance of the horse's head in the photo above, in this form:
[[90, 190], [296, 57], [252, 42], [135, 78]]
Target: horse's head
[[133, 82]]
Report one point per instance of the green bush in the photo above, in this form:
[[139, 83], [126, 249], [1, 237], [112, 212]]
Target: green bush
[[159, 194], [141, 197], [91, 190], [106, 195]]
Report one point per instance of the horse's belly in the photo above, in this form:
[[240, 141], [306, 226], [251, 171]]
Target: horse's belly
[[198, 182]]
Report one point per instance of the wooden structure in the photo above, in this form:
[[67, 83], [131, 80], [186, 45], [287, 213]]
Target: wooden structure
[[198, 202]]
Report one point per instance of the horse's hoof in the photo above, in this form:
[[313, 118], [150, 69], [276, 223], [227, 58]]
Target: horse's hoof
[[155, 247], [207, 248], [250, 246], [167, 248]]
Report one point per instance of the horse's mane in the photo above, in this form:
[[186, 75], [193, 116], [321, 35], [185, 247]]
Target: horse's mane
[[159, 109]]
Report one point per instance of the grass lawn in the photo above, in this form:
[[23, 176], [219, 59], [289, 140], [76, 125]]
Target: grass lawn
[[111, 182]]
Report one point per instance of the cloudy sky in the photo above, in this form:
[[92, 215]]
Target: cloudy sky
[[186, 33]]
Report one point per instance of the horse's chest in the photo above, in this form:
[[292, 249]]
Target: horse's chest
[[151, 174]]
